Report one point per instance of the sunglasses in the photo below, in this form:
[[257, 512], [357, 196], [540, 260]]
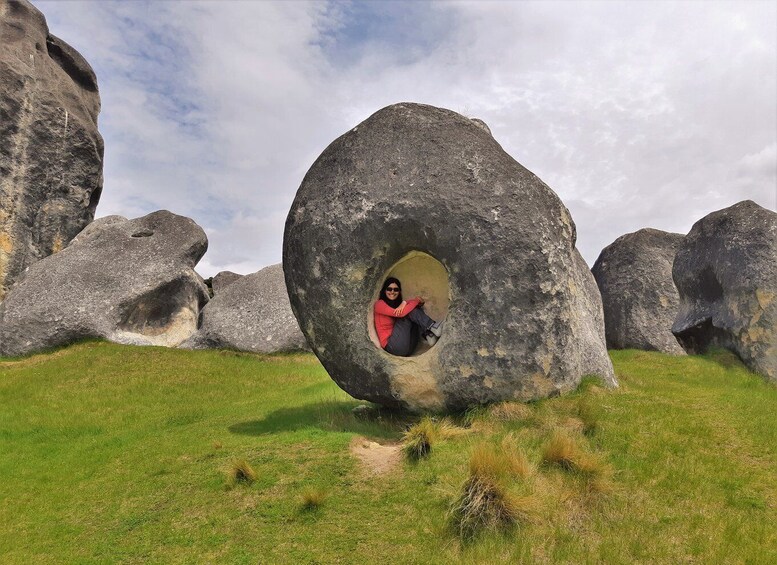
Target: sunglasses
[[392, 289]]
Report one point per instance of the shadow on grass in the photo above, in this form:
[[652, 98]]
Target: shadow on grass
[[334, 416]]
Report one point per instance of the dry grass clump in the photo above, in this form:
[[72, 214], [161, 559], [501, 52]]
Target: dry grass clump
[[418, 440], [485, 503], [564, 451], [517, 462], [240, 472], [510, 411], [312, 498]]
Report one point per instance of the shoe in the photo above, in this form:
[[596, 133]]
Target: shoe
[[436, 328], [430, 338]]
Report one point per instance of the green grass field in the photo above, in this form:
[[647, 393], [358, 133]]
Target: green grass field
[[117, 454]]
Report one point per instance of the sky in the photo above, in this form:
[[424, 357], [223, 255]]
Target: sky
[[637, 114]]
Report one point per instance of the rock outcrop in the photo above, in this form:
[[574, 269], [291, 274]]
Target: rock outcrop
[[726, 274], [128, 281], [51, 154], [429, 196], [224, 279], [634, 274], [250, 314]]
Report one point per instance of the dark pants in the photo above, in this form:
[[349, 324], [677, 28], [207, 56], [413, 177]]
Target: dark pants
[[407, 331]]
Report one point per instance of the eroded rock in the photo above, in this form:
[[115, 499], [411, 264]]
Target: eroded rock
[[250, 314], [223, 280], [51, 154], [128, 281], [634, 274], [430, 193], [726, 274]]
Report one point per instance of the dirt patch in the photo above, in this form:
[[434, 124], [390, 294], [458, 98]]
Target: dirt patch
[[375, 458]]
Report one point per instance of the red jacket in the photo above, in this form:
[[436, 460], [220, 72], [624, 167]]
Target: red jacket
[[384, 318]]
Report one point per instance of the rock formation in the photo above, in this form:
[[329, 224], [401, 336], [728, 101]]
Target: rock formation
[[726, 274], [250, 314], [634, 274], [128, 281], [428, 195], [51, 154], [223, 280]]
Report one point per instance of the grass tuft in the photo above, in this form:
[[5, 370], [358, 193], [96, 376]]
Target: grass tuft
[[485, 503], [312, 499], [418, 440], [510, 412], [564, 451], [240, 472]]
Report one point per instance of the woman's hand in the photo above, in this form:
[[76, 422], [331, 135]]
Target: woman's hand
[[401, 308], [420, 300]]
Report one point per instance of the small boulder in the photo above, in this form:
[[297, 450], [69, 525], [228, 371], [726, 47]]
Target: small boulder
[[250, 314], [634, 275], [223, 279], [51, 153], [429, 196], [726, 273], [127, 281]]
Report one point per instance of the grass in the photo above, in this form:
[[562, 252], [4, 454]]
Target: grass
[[240, 472], [117, 454]]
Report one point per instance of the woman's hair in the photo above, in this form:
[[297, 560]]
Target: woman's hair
[[393, 303]]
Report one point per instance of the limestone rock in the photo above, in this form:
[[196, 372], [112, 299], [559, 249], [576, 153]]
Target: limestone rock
[[51, 154], [428, 195], [250, 314], [634, 274], [128, 281], [726, 274], [224, 279]]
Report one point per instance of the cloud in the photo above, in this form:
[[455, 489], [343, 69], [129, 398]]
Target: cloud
[[636, 114]]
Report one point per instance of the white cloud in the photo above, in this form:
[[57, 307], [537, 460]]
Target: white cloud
[[637, 114]]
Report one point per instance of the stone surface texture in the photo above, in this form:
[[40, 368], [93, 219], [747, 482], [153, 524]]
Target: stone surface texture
[[224, 279], [634, 274], [523, 314], [250, 314], [127, 281], [726, 274], [51, 154]]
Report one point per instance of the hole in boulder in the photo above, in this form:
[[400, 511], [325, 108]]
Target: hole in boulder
[[420, 275], [143, 233]]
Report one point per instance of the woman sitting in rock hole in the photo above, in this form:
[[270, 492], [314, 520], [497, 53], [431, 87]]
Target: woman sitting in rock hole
[[400, 324]]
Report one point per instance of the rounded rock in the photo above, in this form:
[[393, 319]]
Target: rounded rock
[[425, 193]]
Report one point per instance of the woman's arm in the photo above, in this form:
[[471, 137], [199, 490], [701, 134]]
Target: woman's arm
[[404, 309]]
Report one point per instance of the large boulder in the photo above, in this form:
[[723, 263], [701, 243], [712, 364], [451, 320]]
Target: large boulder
[[634, 275], [223, 279], [128, 281], [429, 196], [51, 154], [726, 274], [250, 314]]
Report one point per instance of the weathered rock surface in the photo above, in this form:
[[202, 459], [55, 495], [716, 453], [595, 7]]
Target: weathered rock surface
[[223, 280], [726, 274], [51, 154], [128, 281], [250, 314], [634, 274], [429, 195]]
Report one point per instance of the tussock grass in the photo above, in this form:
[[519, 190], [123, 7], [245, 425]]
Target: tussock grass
[[240, 472], [312, 498], [419, 439], [510, 411], [485, 503]]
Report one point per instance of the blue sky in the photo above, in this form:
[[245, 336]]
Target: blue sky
[[637, 114]]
